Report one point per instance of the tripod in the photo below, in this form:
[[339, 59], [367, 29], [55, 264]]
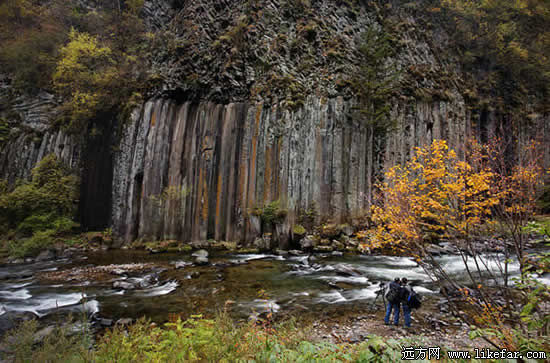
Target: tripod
[[378, 293]]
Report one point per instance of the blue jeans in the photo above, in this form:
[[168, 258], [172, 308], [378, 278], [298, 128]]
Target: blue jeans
[[407, 315], [389, 308]]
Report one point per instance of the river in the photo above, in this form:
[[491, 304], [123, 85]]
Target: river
[[244, 284]]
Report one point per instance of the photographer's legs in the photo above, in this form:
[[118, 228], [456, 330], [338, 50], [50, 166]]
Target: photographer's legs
[[388, 313], [407, 315], [396, 313]]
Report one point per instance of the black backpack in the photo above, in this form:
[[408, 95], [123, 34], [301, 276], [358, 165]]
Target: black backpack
[[393, 294], [413, 300]]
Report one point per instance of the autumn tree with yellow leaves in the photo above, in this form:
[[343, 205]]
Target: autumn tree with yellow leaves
[[437, 195], [434, 194]]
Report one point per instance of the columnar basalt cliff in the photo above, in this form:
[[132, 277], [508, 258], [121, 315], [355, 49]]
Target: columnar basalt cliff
[[256, 105], [225, 161], [33, 138]]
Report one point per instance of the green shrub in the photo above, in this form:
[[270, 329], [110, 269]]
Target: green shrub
[[35, 205], [35, 223], [39, 210], [23, 344], [31, 246], [273, 213]]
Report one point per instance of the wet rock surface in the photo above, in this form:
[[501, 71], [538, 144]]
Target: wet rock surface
[[96, 273]]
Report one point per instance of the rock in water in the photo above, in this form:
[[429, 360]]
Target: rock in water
[[306, 242], [200, 253], [182, 264], [124, 285], [295, 253], [345, 270], [201, 261], [281, 253]]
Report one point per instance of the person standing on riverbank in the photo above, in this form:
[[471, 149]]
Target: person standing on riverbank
[[406, 291], [392, 294]]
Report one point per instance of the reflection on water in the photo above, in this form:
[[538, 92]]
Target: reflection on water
[[245, 284]]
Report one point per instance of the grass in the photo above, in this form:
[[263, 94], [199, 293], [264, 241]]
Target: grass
[[198, 339]]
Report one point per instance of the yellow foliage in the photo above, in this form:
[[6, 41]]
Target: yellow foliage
[[437, 194], [434, 193]]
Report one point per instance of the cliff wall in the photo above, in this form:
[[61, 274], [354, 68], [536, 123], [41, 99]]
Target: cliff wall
[[220, 163], [256, 106]]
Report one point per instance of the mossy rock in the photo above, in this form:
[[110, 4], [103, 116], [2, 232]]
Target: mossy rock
[[323, 249], [164, 246], [223, 246], [155, 247], [247, 250], [186, 248], [324, 242], [330, 231], [298, 232], [344, 239], [346, 229]]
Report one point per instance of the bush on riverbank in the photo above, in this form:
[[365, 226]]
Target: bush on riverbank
[[36, 212]]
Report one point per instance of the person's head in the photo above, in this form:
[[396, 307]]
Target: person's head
[[396, 280], [404, 281]]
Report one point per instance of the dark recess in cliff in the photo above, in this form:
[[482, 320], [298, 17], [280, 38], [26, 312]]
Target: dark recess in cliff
[[96, 178]]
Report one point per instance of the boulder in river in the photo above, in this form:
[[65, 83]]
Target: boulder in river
[[193, 275], [147, 281], [306, 242], [200, 244], [200, 253], [201, 261], [15, 261], [346, 270], [295, 253], [124, 285], [182, 264], [118, 271], [281, 253], [338, 245], [435, 250]]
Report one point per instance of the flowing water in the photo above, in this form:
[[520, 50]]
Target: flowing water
[[243, 284]]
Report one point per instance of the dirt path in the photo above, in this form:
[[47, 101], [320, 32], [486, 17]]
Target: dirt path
[[356, 327]]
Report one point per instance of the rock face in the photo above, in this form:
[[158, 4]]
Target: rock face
[[194, 171], [23, 149], [243, 121]]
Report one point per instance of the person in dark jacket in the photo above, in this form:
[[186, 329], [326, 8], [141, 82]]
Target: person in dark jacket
[[395, 305], [405, 292]]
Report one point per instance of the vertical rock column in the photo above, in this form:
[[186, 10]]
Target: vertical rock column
[[196, 171]]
